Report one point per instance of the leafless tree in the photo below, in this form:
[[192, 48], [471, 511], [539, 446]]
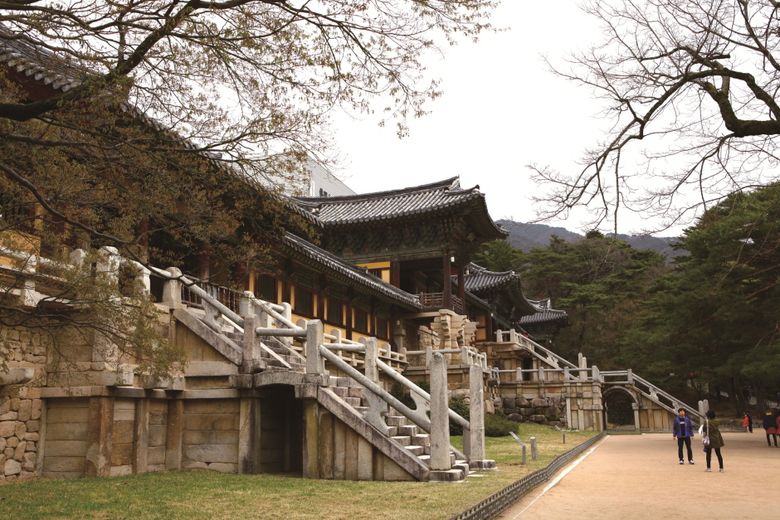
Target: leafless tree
[[691, 88], [244, 79]]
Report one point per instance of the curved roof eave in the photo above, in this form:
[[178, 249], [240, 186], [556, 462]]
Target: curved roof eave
[[350, 273]]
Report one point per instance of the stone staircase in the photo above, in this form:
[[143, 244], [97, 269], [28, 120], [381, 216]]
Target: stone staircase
[[358, 401], [401, 430]]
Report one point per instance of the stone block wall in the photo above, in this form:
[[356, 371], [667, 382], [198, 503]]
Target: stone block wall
[[66, 440], [543, 410], [20, 405], [210, 439]]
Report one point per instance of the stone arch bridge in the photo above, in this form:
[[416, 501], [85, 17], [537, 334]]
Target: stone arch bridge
[[581, 396]]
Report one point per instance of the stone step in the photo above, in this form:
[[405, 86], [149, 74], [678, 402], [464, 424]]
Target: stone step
[[451, 475], [395, 420], [340, 391], [407, 429], [415, 450], [462, 465], [403, 440], [361, 409], [352, 401], [423, 439], [426, 459], [345, 382], [356, 391], [392, 431]]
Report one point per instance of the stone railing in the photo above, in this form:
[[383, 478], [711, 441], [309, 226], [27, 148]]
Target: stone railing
[[560, 370]]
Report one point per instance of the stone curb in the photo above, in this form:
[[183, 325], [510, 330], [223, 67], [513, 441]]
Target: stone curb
[[493, 505]]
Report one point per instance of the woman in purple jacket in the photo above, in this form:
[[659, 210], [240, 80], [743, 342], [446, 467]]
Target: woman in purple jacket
[[682, 430]]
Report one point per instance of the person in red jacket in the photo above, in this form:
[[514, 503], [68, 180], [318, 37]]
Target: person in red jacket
[[747, 423]]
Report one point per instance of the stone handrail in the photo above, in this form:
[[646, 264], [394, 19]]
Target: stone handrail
[[513, 337], [654, 393], [419, 395], [418, 416]]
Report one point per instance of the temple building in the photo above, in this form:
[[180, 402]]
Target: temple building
[[289, 363]]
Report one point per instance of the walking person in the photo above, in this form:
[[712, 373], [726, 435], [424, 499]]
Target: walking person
[[713, 440], [747, 423], [682, 430], [770, 426]]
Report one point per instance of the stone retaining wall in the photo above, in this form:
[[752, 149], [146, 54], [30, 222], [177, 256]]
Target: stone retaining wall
[[20, 405]]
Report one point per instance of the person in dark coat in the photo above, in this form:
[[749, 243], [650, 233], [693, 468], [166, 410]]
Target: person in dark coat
[[712, 431], [682, 430], [770, 426]]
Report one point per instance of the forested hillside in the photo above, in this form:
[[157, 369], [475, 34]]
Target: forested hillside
[[527, 236]]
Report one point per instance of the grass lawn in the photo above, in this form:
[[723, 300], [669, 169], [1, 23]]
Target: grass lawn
[[205, 494]]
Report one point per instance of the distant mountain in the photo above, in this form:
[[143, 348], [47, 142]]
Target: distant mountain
[[528, 236]]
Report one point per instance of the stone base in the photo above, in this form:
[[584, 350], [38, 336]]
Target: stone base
[[450, 475], [461, 465], [482, 465]]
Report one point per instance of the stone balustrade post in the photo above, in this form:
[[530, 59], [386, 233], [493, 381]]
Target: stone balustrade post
[[465, 356], [519, 374], [499, 336], [287, 313], [108, 263], [314, 338], [146, 277], [534, 448], [372, 354], [245, 304], [476, 416], [172, 289], [247, 353], [630, 376], [596, 374], [77, 257], [440, 423], [541, 374]]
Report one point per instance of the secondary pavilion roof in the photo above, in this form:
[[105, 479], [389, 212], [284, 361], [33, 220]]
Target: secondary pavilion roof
[[544, 313], [442, 197]]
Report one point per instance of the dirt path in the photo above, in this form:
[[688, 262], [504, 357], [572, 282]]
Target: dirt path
[[638, 477]]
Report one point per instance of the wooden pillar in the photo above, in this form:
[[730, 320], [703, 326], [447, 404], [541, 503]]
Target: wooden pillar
[[141, 437], [462, 283], [174, 437], [395, 273], [349, 317], [489, 327], [446, 282], [100, 421]]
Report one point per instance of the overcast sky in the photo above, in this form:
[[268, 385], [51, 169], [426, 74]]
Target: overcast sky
[[502, 109]]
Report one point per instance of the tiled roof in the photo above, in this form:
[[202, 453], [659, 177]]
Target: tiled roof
[[545, 313], [544, 316], [479, 279], [436, 197], [49, 69], [320, 257], [40, 64]]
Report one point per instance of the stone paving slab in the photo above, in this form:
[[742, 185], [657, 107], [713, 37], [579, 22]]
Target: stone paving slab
[[638, 477]]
